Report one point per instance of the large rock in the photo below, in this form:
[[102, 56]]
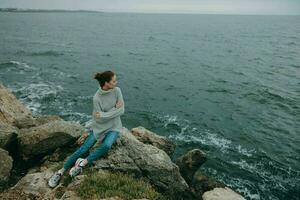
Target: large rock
[[10, 107], [148, 137], [46, 138], [190, 162], [13, 112], [28, 122], [8, 134], [131, 156], [17, 194], [6, 163], [202, 183], [35, 183], [222, 194]]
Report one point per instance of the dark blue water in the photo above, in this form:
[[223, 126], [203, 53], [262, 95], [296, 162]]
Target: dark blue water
[[229, 85]]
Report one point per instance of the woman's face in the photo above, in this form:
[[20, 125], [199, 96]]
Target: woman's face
[[113, 82]]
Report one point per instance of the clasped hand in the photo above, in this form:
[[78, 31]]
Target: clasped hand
[[118, 105]]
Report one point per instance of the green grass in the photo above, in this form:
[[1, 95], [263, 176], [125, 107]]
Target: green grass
[[103, 185]]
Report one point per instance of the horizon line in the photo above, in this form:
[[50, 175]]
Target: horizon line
[[134, 12]]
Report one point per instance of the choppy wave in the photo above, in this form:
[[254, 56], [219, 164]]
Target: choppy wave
[[264, 169], [34, 95], [242, 186], [187, 133], [16, 65], [40, 53]]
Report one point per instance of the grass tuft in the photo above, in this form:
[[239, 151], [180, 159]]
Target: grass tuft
[[111, 184]]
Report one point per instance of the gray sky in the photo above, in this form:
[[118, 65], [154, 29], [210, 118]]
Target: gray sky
[[265, 7]]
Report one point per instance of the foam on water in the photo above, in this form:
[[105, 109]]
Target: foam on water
[[245, 151], [33, 94], [187, 133], [21, 66], [262, 169]]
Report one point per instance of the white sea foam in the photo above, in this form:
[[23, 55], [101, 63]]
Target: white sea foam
[[242, 186], [245, 151], [188, 133], [192, 134], [248, 194], [32, 94], [22, 65], [246, 166]]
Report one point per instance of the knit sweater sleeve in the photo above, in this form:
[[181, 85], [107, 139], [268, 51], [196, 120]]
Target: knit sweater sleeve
[[112, 113]]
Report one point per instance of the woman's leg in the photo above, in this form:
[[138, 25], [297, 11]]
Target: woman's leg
[[108, 141], [89, 142]]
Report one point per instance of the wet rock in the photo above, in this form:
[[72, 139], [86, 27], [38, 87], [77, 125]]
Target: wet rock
[[46, 138], [6, 164], [190, 162], [222, 194], [148, 137], [202, 183]]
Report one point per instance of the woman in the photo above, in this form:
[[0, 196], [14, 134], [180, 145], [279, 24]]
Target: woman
[[108, 105]]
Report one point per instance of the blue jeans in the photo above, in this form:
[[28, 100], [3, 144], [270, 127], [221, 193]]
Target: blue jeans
[[108, 140]]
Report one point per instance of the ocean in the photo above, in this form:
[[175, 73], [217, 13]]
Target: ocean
[[227, 84]]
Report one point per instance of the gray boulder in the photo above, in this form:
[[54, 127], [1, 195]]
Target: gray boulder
[[202, 183], [148, 137], [222, 194], [131, 156], [35, 183], [190, 162], [45, 138]]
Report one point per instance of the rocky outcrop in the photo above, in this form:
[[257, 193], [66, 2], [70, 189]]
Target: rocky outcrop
[[46, 138], [190, 162], [139, 152], [35, 183], [142, 160], [11, 108], [148, 137], [202, 183], [222, 194], [6, 163]]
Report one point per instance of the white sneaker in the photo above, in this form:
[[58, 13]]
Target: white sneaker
[[54, 179], [77, 169]]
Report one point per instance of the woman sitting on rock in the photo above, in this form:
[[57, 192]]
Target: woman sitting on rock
[[106, 126]]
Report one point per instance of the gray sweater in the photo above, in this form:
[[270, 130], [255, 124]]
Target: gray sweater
[[104, 103]]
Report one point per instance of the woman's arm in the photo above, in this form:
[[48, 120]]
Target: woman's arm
[[101, 116]]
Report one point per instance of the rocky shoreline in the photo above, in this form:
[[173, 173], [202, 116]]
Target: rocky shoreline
[[37, 146]]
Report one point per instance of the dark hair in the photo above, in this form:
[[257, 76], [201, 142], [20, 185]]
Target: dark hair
[[103, 77]]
